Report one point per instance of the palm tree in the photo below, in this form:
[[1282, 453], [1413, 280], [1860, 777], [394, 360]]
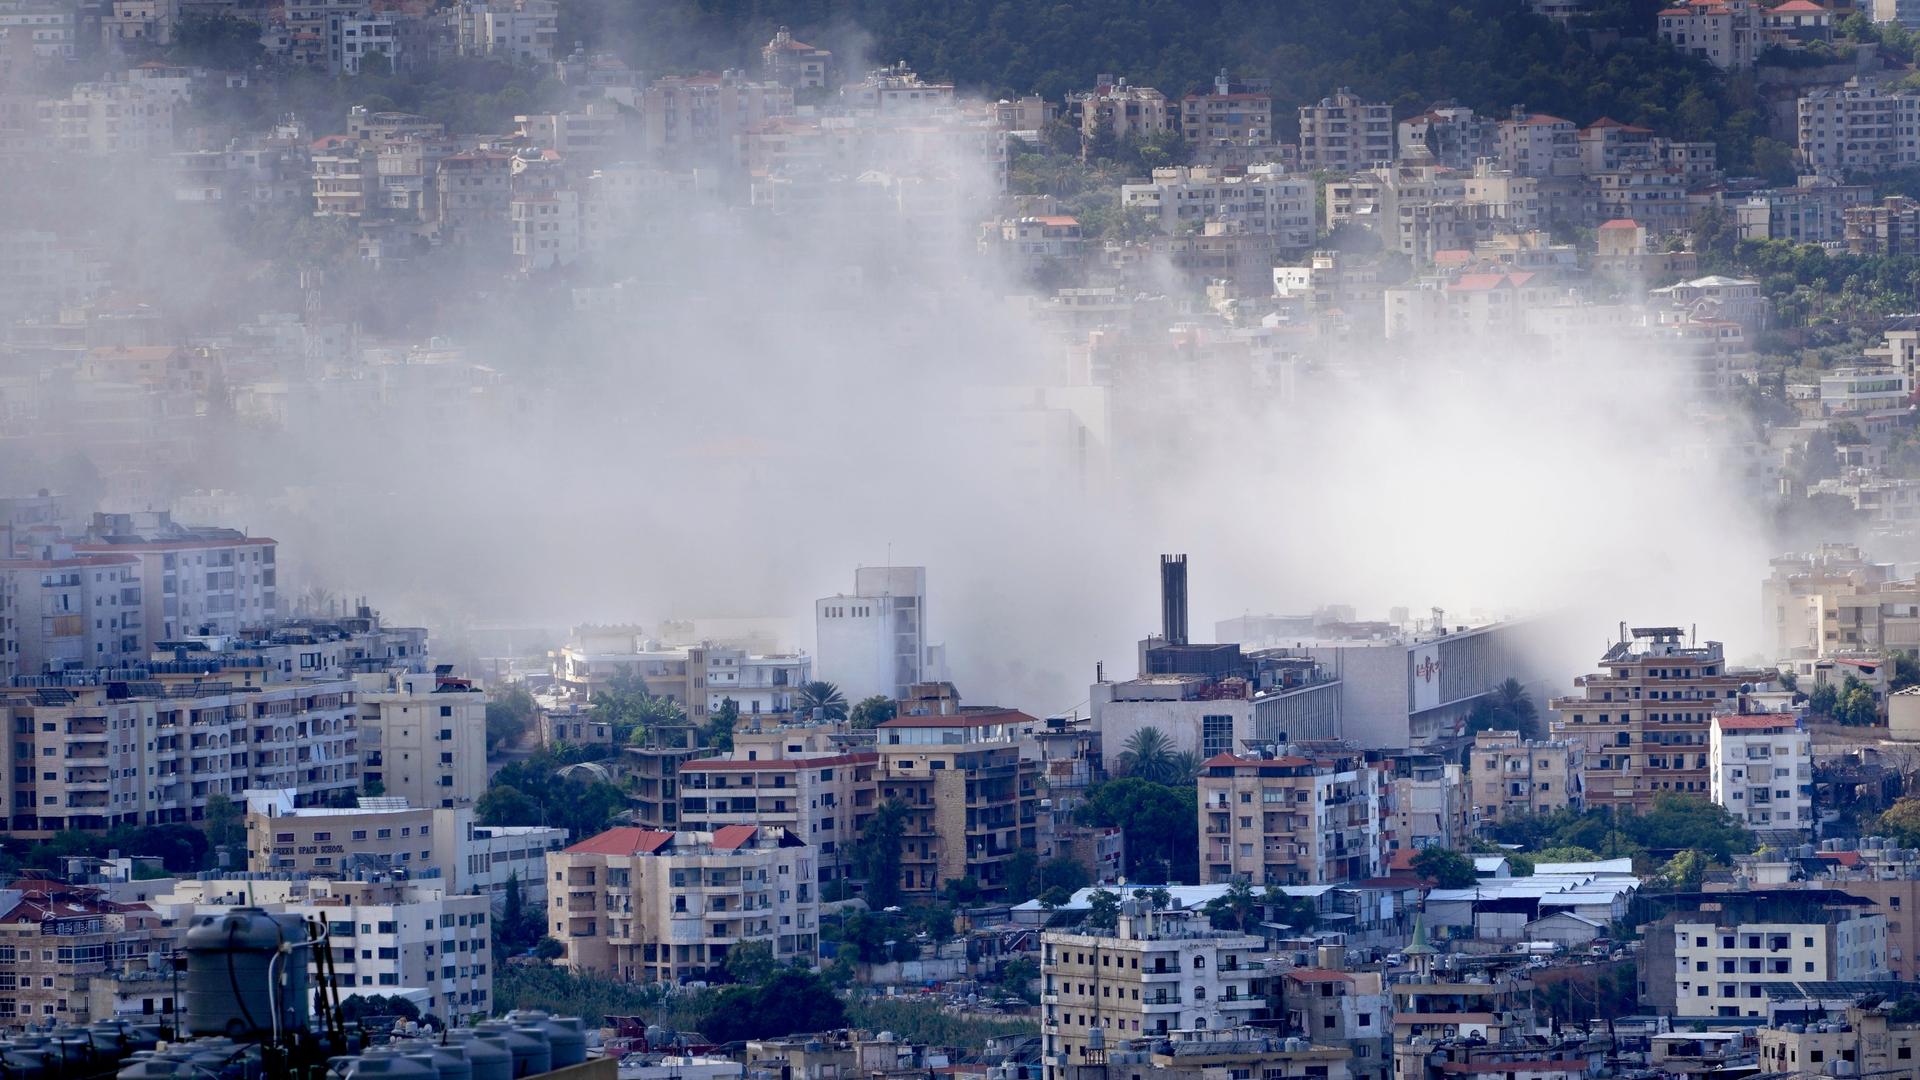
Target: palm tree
[[1150, 756], [1512, 700], [1186, 767], [821, 701]]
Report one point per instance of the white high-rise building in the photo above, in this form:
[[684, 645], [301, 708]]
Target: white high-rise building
[[873, 640], [1762, 771]]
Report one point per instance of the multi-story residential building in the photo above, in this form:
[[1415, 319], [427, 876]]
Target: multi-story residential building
[[1447, 134], [423, 736], [524, 31], [1263, 199], [1342, 133], [699, 678], [1741, 300], [1514, 777], [1811, 212], [874, 640], [1726, 33], [1719, 958], [1643, 723], [195, 579], [1116, 109], [106, 118], [1425, 802], [650, 906], [1904, 12], [544, 228], [475, 189], [1537, 145], [897, 91], [60, 611], [385, 832], [1888, 227], [1227, 116], [1805, 591], [1858, 128], [150, 745], [1155, 972], [1853, 391], [704, 115], [970, 790], [650, 773], [1762, 771], [388, 935], [135, 24], [794, 63], [1865, 1042], [57, 940], [1311, 819], [48, 26], [821, 796], [1655, 197]]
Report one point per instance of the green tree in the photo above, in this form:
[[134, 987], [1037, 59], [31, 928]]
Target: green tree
[[1064, 873], [1149, 755], [1445, 867], [1508, 707], [821, 701], [791, 1000], [1161, 825], [876, 855], [1236, 908], [750, 963], [1021, 866], [1103, 909], [1906, 672], [510, 715], [218, 40], [1823, 699], [872, 712], [718, 733], [1900, 821], [225, 826], [1297, 912]]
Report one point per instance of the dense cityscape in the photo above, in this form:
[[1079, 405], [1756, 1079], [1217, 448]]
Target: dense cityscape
[[718, 540]]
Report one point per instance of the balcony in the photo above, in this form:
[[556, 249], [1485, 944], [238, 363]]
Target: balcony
[[1160, 1002]]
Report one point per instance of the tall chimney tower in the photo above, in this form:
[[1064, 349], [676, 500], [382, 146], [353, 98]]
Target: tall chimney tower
[[1173, 599]]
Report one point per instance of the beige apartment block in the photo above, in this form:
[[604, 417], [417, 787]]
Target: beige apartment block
[[1290, 820], [971, 792], [423, 736], [1643, 722], [645, 905], [1514, 777]]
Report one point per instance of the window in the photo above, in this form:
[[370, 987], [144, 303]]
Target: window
[[1216, 735]]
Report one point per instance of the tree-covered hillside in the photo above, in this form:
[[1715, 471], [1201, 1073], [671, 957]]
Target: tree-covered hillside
[[1490, 54]]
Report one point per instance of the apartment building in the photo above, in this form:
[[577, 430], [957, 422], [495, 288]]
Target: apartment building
[[682, 116], [644, 905], [1228, 116], [524, 31], [143, 746], [1308, 819], [1718, 960], [792, 62], [195, 579], [1514, 777], [699, 678], [1538, 145], [423, 736], [388, 935], [874, 639], [1762, 771], [1447, 134], [1423, 802], [1888, 227], [1864, 1041], [1262, 200], [1155, 972], [1859, 127], [474, 189], [822, 797], [1832, 600], [108, 118], [1726, 33], [1811, 212], [1643, 723], [1121, 111], [970, 789], [60, 610], [385, 833], [57, 940], [1342, 133]]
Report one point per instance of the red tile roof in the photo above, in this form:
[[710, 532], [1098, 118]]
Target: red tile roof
[[731, 837], [624, 840], [1807, 6], [1621, 223], [1540, 120], [1753, 723]]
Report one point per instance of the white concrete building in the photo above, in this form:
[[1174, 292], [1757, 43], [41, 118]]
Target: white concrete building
[[520, 30], [1265, 201], [1722, 966], [1858, 128], [199, 580], [1857, 390], [1342, 132], [1155, 972], [395, 938], [1762, 771], [874, 639]]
